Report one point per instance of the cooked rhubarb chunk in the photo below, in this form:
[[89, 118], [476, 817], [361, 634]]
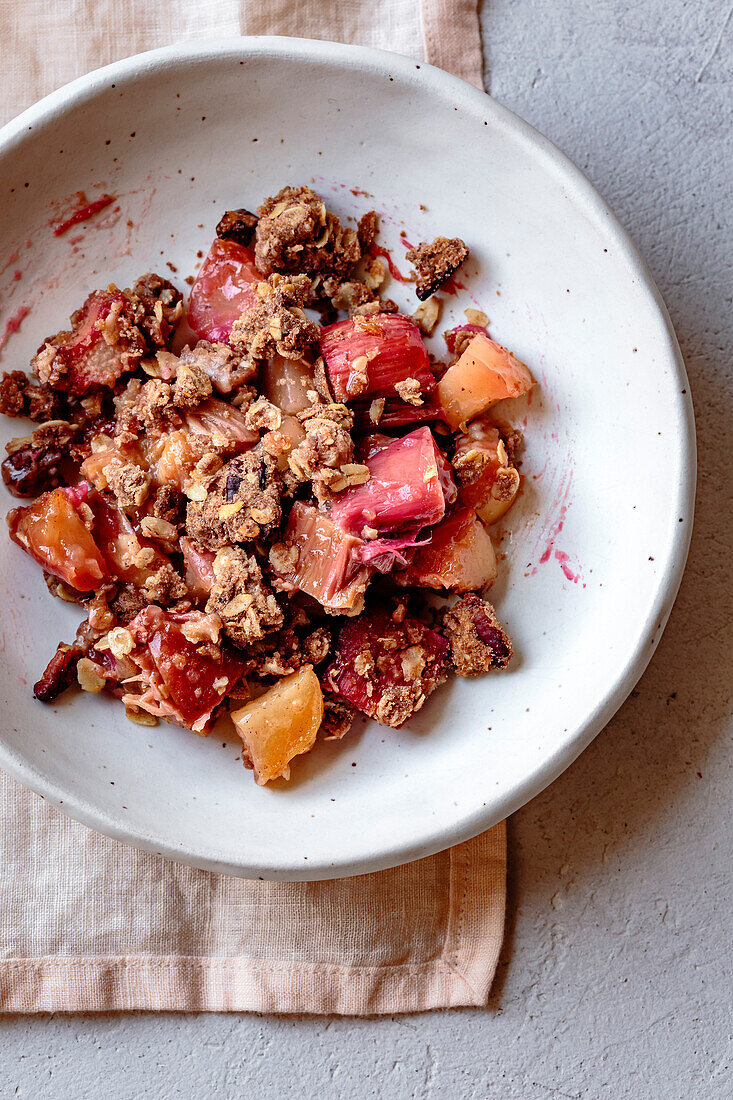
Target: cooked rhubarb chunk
[[224, 288], [317, 558], [387, 669], [179, 678], [393, 412], [53, 532], [487, 482], [477, 640], [280, 724], [409, 486], [484, 374], [460, 556], [373, 355], [103, 345]]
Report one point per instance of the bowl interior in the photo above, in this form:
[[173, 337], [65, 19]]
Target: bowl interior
[[591, 555]]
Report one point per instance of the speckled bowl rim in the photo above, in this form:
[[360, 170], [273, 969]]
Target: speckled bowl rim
[[588, 200]]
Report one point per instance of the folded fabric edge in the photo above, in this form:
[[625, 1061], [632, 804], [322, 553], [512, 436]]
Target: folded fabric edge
[[190, 984], [460, 976]]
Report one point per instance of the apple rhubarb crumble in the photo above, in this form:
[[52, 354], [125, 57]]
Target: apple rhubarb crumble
[[270, 498]]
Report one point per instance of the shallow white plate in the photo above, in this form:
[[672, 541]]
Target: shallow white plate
[[594, 550]]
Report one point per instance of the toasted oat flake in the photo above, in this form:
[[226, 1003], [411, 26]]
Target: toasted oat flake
[[140, 717], [476, 317], [226, 510], [376, 410], [89, 675], [154, 528], [196, 492], [120, 641], [238, 605]]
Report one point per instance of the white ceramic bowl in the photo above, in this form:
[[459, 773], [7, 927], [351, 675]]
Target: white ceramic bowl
[[594, 550]]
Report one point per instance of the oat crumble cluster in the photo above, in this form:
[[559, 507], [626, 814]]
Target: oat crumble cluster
[[271, 497]]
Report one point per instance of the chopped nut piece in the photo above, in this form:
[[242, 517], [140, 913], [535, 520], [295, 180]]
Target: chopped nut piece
[[427, 315], [410, 391], [237, 225]]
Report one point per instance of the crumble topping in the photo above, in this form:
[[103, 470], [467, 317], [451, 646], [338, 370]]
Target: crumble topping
[[277, 325], [213, 537], [247, 607], [295, 232], [19, 396], [240, 502], [192, 386], [435, 263], [226, 369], [129, 483], [477, 640], [410, 391]]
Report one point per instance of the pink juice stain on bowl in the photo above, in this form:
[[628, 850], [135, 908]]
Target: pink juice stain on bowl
[[376, 250], [83, 212], [13, 324]]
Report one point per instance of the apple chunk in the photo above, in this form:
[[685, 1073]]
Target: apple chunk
[[281, 724], [484, 374]]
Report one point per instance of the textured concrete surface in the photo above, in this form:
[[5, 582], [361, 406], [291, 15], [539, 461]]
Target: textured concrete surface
[[616, 976]]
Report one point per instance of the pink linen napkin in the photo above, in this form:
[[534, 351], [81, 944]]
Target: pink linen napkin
[[87, 924]]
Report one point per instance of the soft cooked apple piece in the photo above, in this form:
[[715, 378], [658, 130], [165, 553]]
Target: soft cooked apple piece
[[460, 556], [224, 288], [488, 483], [484, 374], [280, 724], [52, 530], [286, 383], [373, 354]]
